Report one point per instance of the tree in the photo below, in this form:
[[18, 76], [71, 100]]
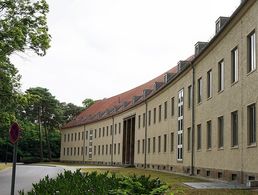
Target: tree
[[69, 111], [46, 111], [23, 26], [88, 102]]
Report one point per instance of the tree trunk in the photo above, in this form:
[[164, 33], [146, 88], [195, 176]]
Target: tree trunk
[[40, 135], [48, 145]]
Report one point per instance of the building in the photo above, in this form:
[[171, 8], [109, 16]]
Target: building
[[197, 118]]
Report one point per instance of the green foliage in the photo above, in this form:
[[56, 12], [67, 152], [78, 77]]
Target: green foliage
[[78, 183], [88, 102]]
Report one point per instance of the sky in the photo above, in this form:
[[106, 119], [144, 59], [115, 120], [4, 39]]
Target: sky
[[101, 48]]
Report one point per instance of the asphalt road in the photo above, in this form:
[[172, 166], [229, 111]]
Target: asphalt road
[[25, 176]]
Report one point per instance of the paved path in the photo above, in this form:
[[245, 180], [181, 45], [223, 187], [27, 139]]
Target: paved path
[[215, 185], [25, 176]]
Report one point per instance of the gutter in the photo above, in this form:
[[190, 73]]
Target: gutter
[[193, 121], [112, 144], [84, 143], [146, 128]]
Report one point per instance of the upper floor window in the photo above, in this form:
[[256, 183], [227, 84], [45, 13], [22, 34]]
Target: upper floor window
[[199, 90], [139, 121], [154, 115], [149, 122], [143, 120], [189, 96], [221, 76], [251, 52], [209, 84], [159, 113], [234, 65], [165, 110], [172, 106]]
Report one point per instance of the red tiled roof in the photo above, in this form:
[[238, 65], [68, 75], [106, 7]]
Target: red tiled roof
[[107, 107]]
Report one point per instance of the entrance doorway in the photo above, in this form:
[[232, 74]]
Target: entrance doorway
[[128, 140]]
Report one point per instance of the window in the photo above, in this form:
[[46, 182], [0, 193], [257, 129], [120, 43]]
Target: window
[[138, 146], [251, 41], [172, 142], [148, 145], [221, 76], [149, 118], [154, 144], [234, 129], [103, 148], [172, 106], [139, 121], [165, 110], [199, 90], [83, 135], [119, 128], [98, 149], [190, 96], [234, 65], [111, 130], [95, 133], [143, 120], [103, 131], [251, 121], [107, 130], [67, 152], [75, 136], [110, 149], [209, 84], [118, 148], [180, 125], [165, 143], [64, 137], [74, 151], [106, 149], [143, 145], [221, 131], [79, 135], [209, 134], [99, 132], [72, 137], [87, 150], [159, 143], [78, 151], [189, 139], [154, 115], [86, 135], [115, 129], [114, 148], [199, 137], [94, 150], [159, 113]]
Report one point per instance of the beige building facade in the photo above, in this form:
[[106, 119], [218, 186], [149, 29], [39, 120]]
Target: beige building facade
[[198, 118]]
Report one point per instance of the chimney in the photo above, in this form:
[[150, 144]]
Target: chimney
[[220, 23], [199, 46]]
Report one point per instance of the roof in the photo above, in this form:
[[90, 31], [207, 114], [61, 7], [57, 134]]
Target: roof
[[108, 107]]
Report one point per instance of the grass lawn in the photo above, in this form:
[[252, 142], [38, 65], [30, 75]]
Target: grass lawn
[[173, 180], [4, 166]]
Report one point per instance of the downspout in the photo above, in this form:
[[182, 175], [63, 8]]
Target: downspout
[[112, 133], [146, 126], [84, 143], [193, 119]]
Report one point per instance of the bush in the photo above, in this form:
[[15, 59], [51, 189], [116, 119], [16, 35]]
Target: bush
[[29, 160], [78, 183]]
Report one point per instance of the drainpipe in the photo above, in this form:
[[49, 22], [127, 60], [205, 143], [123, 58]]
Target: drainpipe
[[112, 132], [146, 125], [193, 119], [84, 142]]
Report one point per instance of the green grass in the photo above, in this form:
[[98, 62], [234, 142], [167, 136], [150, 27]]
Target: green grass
[[4, 166], [175, 181]]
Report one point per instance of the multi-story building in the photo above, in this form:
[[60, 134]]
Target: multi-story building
[[197, 118]]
